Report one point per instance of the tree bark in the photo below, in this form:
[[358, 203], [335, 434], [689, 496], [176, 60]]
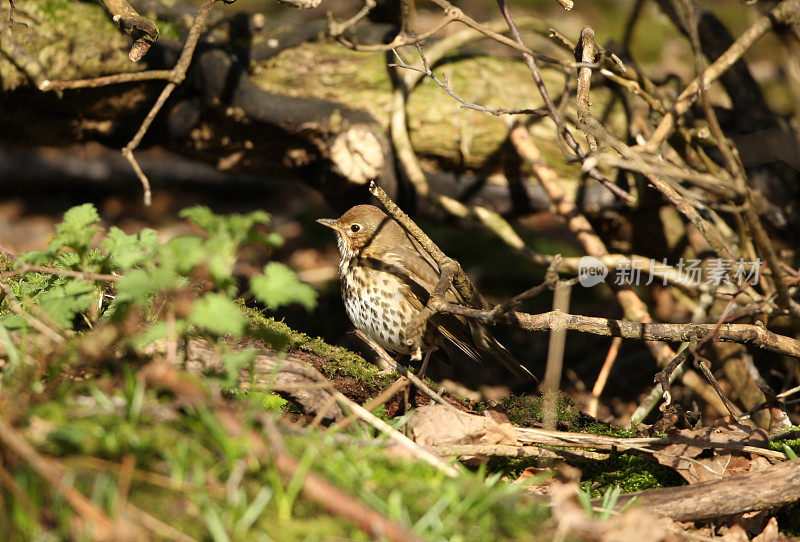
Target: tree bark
[[772, 487]]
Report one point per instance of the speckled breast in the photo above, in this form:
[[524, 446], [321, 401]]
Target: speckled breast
[[374, 302]]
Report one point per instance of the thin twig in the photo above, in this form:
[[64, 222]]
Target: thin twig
[[417, 381], [396, 435], [502, 450], [175, 76], [337, 29], [409, 165], [602, 377], [550, 281], [555, 358], [780, 14], [149, 75], [425, 70], [552, 111], [662, 378], [143, 31], [547, 437], [397, 386], [80, 275], [588, 50], [373, 404], [633, 307]]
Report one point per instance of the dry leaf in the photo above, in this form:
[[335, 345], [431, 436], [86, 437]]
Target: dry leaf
[[734, 534], [540, 488], [437, 425], [689, 455], [770, 532]]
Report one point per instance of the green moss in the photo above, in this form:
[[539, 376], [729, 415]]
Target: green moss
[[6, 263], [788, 438], [526, 410], [53, 10], [631, 473], [71, 40], [265, 400], [587, 424], [168, 30], [340, 360]]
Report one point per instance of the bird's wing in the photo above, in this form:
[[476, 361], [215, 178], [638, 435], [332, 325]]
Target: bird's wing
[[419, 272], [420, 276], [420, 266]]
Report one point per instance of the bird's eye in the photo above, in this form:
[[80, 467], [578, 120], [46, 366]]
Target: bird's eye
[[354, 228]]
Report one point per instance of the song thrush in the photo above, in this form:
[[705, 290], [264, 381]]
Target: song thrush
[[387, 278]]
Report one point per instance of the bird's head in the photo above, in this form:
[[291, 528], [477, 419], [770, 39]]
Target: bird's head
[[358, 228]]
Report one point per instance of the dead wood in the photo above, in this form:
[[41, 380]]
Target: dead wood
[[772, 487], [231, 113], [289, 375], [143, 31]]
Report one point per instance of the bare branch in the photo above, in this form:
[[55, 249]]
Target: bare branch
[[780, 14], [737, 333], [143, 31]]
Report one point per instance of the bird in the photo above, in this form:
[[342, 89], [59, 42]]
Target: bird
[[387, 277]]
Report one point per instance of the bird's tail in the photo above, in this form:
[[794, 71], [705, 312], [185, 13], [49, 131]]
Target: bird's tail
[[482, 348], [487, 343]]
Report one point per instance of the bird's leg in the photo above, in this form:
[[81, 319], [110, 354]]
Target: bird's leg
[[390, 370], [425, 363]]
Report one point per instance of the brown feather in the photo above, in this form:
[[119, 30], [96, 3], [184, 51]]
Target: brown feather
[[379, 245]]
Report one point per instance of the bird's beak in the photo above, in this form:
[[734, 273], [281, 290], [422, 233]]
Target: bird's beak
[[329, 222]]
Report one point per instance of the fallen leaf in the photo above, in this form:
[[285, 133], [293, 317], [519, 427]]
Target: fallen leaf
[[690, 456], [540, 487], [438, 425], [770, 532]]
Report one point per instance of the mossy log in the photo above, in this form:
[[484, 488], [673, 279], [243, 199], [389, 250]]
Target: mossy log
[[315, 110]]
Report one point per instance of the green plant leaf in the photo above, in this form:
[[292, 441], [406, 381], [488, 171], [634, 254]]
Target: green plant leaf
[[34, 257], [63, 302], [234, 361], [137, 285], [67, 260], [182, 253], [77, 229], [218, 314], [273, 402], [221, 258], [234, 226], [280, 286], [126, 251], [155, 332]]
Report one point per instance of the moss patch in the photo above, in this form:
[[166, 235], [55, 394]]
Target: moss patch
[[71, 40], [630, 472], [339, 360]]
